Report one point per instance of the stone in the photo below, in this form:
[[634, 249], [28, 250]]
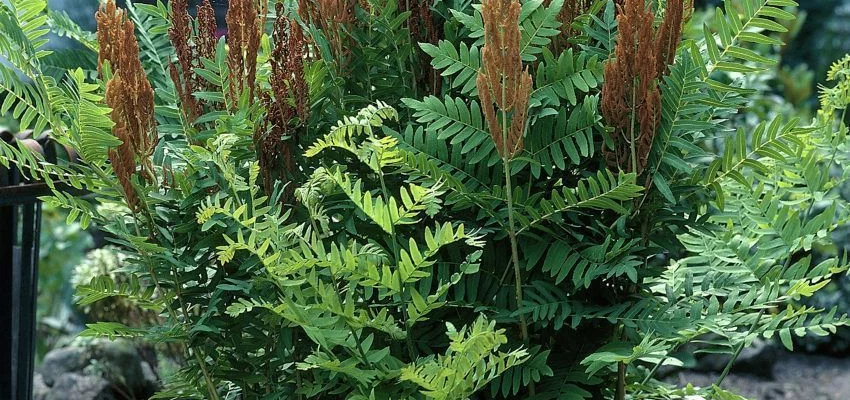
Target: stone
[[40, 390], [150, 379], [120, 363], [74, 386], [60, 361]]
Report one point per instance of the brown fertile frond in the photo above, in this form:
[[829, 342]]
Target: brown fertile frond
[[631, 100], [130, 96], [571, 10], [122, 158], [205, 39], [244, 28], [190, 48], [421, 26], [502, 79], [669, 34], [288, 88], [335, 17], [109, 20], [180, 34]]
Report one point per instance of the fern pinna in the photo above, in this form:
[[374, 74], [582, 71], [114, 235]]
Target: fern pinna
[[559, 206]]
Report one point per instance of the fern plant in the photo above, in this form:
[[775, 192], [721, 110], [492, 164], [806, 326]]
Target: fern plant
[[548, 215]]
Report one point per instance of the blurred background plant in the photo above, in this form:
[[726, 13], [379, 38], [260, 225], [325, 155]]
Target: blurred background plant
[[63, 249]]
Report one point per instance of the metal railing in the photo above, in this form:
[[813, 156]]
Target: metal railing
[[20, 225]]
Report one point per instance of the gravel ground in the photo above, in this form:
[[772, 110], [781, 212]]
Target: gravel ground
[[795, 376]]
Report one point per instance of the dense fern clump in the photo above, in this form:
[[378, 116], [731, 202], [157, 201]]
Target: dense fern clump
[[447, 200]]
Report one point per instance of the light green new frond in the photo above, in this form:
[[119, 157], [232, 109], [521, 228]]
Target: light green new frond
[[376, 152], [370, 117], [91, 126], [471, 362], [23, 34], [840, 69], [391, 213], [837, 97]]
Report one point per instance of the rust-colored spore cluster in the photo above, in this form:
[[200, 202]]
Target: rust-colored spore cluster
[[244, 28], [334, 18], [130, 96], [206, 38], [190, 48], [288, 99], [571, 10], [422, 30], [631, 100], [502, 79]]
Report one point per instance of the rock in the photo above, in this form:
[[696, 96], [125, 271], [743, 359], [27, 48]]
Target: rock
[[40, 390], [74, 386], [60, 361], [758, 359], [119, 362], [151, 381]]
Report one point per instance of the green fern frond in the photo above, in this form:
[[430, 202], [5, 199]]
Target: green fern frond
[[460, 64], [564, 78], [61, 24], [601, 192], [461, 125], [557, 142]]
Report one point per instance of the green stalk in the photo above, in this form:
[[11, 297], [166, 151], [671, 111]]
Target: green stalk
[[523, 324], [621, 367], [386, 194]]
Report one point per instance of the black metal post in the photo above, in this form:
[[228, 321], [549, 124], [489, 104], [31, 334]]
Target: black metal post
[[20, 222]]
